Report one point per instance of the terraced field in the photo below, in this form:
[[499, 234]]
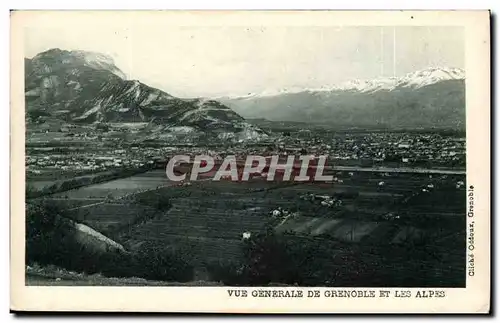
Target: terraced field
[[109, 218], [207, 212], [345, 230], [109, 206], [205, 228], [207, 219]]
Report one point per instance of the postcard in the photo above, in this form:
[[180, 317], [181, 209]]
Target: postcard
[[250, 161]]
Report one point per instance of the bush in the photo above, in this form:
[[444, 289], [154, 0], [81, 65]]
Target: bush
[[229, 273], [155, 200], [289, 260], [159, 263], [45, 230], [31, 192], [268, 259], [50, 241], [273, 259], [102, 127]]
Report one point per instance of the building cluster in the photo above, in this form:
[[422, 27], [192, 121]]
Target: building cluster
[[417, 149], [405, 149], [95, 161]]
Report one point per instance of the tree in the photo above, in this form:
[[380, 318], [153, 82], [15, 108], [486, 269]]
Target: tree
[[45, 232], [271, 260], [156, 262]]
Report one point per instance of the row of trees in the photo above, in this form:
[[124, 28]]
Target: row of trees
[[276, 259], [281, 259], [78, 182]]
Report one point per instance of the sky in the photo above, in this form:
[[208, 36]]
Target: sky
[[213, 61]]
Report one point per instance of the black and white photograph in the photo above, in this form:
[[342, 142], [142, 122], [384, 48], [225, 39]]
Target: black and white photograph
[[247, 155]]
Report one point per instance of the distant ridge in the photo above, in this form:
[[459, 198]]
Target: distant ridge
[[434, 97], [416, 79]]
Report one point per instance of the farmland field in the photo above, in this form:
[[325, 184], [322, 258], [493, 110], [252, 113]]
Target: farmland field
[[206, 220], [119, 187]]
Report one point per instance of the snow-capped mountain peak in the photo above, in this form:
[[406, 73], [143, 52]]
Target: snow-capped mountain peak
[[431, 76], [432, 98], [413, 80]]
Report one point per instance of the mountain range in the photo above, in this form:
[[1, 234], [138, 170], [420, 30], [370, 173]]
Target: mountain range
[[86, 87], [433, 97]]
